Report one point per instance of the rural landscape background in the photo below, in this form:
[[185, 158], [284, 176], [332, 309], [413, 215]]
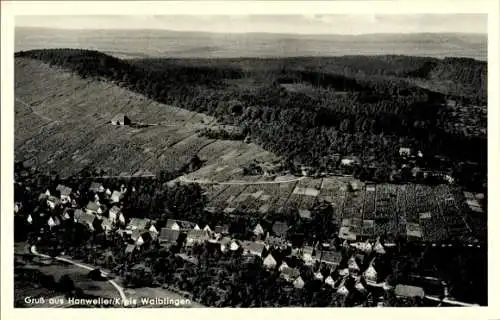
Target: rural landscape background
[[314, 170]]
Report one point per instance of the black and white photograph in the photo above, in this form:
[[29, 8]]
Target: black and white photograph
[[325, 160]]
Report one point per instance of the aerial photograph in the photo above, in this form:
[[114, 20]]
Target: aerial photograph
[[250, 161]]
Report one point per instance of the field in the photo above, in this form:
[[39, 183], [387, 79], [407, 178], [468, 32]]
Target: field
[[62, 124], [422, 213]]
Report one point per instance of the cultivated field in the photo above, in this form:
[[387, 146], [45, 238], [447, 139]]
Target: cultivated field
[[62, 124], [417, 211]]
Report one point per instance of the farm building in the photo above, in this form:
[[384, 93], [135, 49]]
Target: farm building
[[180, 225], [332, 258], [169, 235], [254, 248], [120, 120], [269, 262], [136, 223], [196, 236], [141, 237]]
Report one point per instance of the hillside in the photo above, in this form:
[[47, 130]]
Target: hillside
[[363, 106], [62, 124], [160, 43]]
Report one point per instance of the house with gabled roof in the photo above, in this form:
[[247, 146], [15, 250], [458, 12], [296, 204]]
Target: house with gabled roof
[[207, 229], [370, 274], [378, 247], [106, 225], [84, 218], [180, 225], [258, 230], [318, 275], [53, 222], [352, 265], [298, 283], [52, 202], [137, 223], [65, 193], [307, 255], [96, 187], [225, 244], [141, 237], [254, 248], [116, 196], [283, 266], [196, 236], [130, 248], [29, 219], [342, 289], [329, 281], [269, 262], [222, 230], [120, 119], [234, 245], [168, 236], [289, 274], [113, 213], [93, 208], [280, 229]]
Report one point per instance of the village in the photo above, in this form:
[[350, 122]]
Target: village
[[345, 264]]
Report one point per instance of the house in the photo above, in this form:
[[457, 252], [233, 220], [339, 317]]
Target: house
[[329, 281], [318, 276], [370, 274], [152, 229], [66, 215], [305, 214], [196, 227], [222, 230], [359, 286], [234, 245], [116, 196], [332, 258], [346, 233], [225, 244], [269, 262], [307, 255], [121, 219], [405, 152], [290, 274], [413, 230], [299, 283], [29, 219], [141, 236], [53, 222], [254, 248], [350, 161], [207, 229], [342, 290], [280, 229], [180, 225], [113, 214], [120, 120], [283, 266], [85, 218], [169, 235], [258, 230], [405, 291], [378, 247], [136, 223], [52, 202], [106, 225], [65, 193], [93, 208], [355, 186], [130, 248], [96, 187], [196, 236], [352, 265]]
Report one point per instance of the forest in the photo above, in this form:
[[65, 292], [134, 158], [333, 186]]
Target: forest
[[307, 109]]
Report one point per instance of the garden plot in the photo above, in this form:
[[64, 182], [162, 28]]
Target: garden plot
[[369, 203], [333, 190], [226, 198]]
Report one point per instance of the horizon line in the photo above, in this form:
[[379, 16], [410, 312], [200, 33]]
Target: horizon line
[[243, 33]]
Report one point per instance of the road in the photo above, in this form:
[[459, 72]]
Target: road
[[86, 267], [186, 180]]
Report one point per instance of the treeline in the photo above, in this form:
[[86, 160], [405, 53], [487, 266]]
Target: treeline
[[362, 110]]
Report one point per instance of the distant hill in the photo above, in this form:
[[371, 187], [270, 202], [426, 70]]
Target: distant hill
[[162, 43]]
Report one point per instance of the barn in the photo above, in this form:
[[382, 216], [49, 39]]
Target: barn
[[120, 120]]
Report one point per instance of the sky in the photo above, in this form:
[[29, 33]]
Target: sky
[[292, 24]]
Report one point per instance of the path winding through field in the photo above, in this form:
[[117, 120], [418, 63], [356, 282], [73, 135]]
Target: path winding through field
[[187, 180], [86, 267]]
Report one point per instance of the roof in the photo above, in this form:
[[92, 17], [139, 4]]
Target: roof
[[413, 230], [138, 223], [114, 209], [115, 196], [331, 257], [95, 186], [169, 235], [222, 229], [139, 233], [181, 223], [118, 116], [280, 228], [197, 235], [129, 248], [84, 217], [65, 191], [305, 214], [254, 247], [258, 229], [308, 250], [225, 241], [409, 291], [346, 233], [290, 272], [92, 206]]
